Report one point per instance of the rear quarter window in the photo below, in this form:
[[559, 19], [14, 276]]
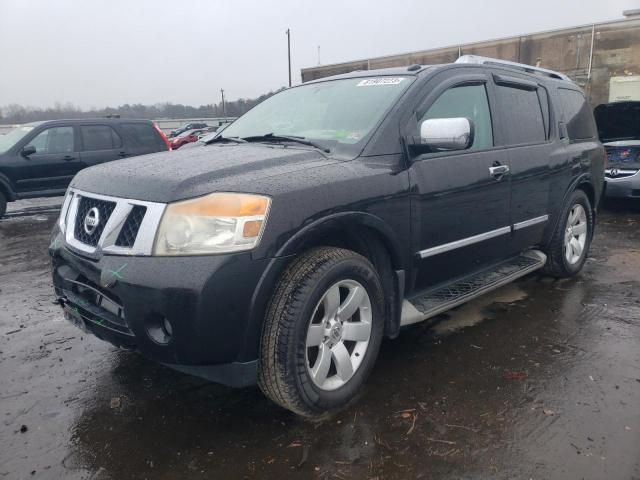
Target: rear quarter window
[[142, 136], [576, 114], [99, 137]]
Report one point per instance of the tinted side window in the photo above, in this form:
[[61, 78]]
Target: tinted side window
[[99, 137], [576, 114], [522, 114], [142, 135], [468, 101], [54, 140]]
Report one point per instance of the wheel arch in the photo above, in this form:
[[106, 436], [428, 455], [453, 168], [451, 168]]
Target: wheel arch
[[369, 236], [360, 232], [5, 188], [585, 183]]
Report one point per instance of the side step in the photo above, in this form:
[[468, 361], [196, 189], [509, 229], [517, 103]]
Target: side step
[[443, 298]]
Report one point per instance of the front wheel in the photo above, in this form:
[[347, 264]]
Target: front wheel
[[322, 332], [572, 237]]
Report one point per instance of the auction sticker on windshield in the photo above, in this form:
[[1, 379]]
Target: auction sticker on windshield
[[374, 82]]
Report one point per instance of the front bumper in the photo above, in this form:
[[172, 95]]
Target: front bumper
[[624, 187], [214, 306]]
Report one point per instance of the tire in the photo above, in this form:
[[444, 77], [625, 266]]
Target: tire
[[291, 366], [3, 204], [558, 262]]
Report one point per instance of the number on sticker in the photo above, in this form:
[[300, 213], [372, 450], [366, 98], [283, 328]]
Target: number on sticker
[[374, 82]]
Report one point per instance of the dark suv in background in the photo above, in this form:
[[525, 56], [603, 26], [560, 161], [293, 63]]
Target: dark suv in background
[[39, 159], [329, 216]]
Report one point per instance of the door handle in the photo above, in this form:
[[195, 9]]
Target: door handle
[[498, 171], [68, 157], [123, 154]]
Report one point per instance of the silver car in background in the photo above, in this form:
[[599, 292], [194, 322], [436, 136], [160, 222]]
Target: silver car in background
[[619, 131]]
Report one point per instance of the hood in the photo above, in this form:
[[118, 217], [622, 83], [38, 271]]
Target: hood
[[180, 174], [618, 121]]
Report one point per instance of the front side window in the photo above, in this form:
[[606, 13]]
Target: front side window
[[99, 137], [336, 111], [468, 101], [54, 140], [522, 113]]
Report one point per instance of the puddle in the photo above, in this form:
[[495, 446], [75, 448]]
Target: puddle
[[475, 311]]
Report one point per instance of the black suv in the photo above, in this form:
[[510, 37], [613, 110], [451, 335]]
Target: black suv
[[39, 159], [329, 216]]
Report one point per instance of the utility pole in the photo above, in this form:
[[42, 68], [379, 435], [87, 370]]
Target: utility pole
[[318, 55], [224, 110], [289, 52]]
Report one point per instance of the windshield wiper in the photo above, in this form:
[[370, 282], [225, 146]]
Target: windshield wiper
[[225, 139], [287, 138]]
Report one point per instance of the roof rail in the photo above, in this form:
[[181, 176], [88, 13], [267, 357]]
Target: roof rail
[[476, 59]]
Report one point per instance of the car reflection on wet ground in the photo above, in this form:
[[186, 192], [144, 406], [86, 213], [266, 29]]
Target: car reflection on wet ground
[[540, 379]]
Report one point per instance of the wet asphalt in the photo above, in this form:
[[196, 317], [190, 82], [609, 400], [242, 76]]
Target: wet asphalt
[[538, 380]]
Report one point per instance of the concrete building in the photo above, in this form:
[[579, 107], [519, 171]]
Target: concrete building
[[595, 56]]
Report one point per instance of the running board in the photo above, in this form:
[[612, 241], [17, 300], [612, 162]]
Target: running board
[[443, 298]]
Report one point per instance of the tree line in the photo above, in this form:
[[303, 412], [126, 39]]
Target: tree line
[[16, 114]]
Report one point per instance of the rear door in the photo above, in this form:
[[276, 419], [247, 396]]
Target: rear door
[[55, 162], [523, 113], [459, 210], [141, 138], [99, 144]]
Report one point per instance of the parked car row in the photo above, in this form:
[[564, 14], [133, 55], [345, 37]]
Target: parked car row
[[187, 127], [190, 136]]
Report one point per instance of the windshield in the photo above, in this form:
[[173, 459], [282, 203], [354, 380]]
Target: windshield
[[14, 136], [336, 111], [618, 121]]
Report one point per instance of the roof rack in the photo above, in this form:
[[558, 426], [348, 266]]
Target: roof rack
[[476, 59]]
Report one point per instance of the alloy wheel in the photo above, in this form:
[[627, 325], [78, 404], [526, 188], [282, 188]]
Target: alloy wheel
[[338, 334], [575, 237]]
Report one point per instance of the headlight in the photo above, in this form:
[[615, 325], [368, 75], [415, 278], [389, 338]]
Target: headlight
[[215, 223]]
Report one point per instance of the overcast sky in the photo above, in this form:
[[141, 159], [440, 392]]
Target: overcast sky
[[96, 53]]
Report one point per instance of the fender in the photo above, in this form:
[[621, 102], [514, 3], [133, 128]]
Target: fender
[[579, 180], [291, 248], [5, 186], [346, 220]]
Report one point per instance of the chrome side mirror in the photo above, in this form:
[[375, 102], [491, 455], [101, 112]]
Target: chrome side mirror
[[447, 133]]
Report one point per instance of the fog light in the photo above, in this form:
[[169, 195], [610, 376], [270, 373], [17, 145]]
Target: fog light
[[159, 329]]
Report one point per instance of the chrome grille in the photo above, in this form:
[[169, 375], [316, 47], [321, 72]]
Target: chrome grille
[[105, 210], [129, 232], [125, 227]]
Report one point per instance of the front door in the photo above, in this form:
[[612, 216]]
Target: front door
[[54, 163], [460, 205]]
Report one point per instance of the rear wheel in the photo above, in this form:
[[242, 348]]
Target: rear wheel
[[572, 237], [322, 332], [3, 204]]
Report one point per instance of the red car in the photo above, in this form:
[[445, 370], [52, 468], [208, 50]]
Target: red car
[[186, 137]]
